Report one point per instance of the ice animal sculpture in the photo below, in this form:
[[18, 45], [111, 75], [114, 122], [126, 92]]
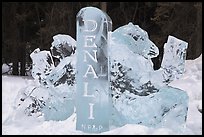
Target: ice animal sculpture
[[53, 98], [140, 94]]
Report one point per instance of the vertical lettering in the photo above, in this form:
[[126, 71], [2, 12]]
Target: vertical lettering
[[87, 53], [89, 41], [86, 90], [90, 71], [89, 23], [92, 89], [91, 111]]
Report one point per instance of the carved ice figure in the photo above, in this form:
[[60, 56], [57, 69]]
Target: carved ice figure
[[54, 97], [166, 108], [139, 93], [61, 80]]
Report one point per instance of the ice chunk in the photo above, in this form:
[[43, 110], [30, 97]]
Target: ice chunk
[[93, 97], [42, 65]]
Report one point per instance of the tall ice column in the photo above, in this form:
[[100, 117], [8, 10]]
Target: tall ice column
[[93, 103]]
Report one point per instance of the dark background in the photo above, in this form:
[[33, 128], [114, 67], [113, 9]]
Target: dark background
[[30, 25]]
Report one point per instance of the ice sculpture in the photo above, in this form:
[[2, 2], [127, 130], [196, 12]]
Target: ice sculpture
[[61, 83], [61, 80], [53, 98], [140, 94], [93, 105]]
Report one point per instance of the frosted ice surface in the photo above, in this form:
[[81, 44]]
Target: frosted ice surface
[[140, 94], [61, 81], [59, 105], [62, 86]]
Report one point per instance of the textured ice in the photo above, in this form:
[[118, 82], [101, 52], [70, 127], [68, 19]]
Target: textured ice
[[173, 62], [93, 98], [140, 94]]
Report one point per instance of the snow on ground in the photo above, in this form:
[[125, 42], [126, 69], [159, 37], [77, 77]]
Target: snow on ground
[[191, 82]]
